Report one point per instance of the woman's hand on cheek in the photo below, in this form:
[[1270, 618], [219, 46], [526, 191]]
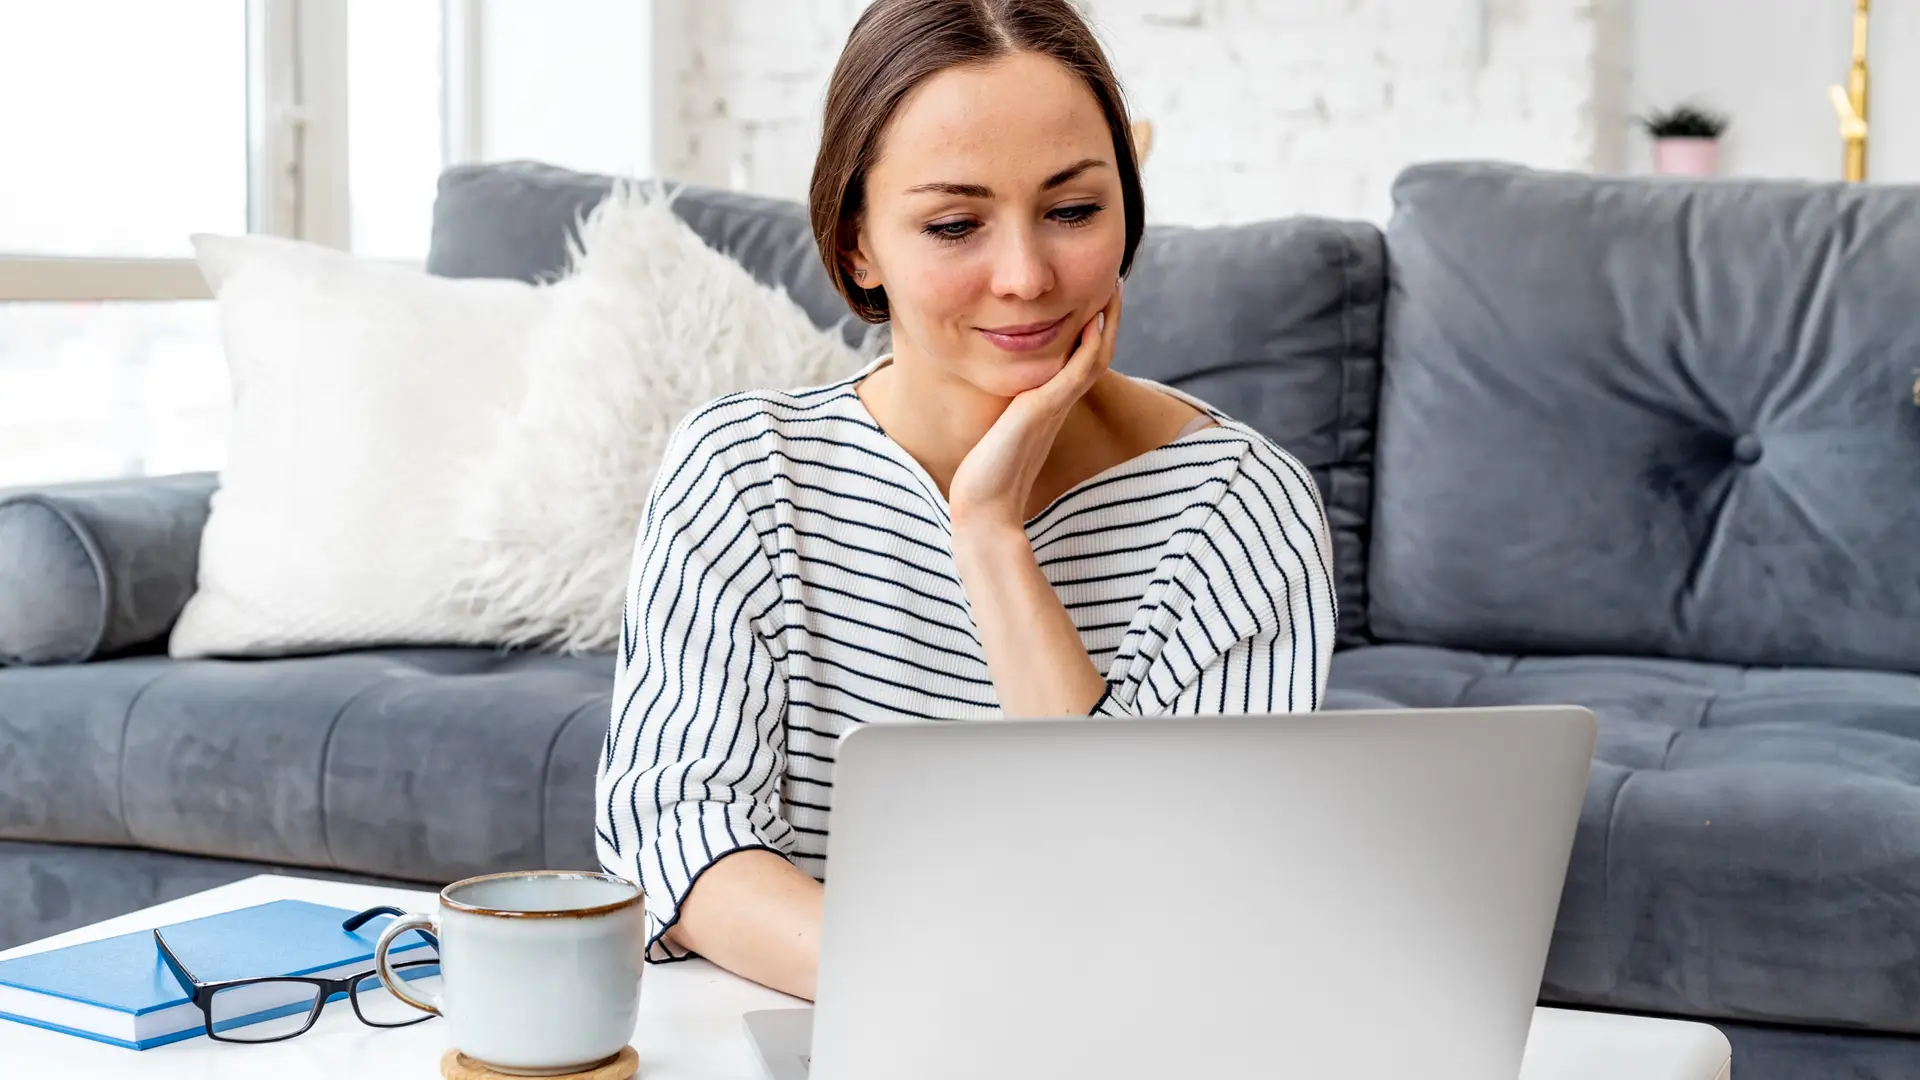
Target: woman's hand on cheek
[[991, 487]]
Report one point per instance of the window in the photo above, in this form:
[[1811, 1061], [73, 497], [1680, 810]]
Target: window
[[396, 140], [124, 146], [131, 125], [119, 389]]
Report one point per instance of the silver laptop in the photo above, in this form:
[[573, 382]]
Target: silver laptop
[[1364, 895]]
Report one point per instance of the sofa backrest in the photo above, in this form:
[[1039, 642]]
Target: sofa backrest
[[1652, 417], [519, 219], [1277, 323]]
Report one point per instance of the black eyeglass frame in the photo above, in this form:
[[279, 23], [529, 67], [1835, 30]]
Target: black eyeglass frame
[[350, 985]]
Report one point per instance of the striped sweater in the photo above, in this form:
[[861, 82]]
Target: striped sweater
[[794, 576]]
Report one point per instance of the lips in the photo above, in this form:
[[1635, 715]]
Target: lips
[[1024, 337]]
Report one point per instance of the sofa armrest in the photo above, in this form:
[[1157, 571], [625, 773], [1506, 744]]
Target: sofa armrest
[[91, 569]]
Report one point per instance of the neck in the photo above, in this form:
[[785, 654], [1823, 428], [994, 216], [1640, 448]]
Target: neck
[[934, 416]]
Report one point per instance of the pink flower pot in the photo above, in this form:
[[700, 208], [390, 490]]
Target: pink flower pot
[[1686, 157]]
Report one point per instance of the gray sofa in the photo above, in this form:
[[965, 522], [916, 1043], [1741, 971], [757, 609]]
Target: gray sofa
[[1646, 446]]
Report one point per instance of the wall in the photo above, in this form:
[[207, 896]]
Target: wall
[[1771, 69], [1260, 108], [748, 85], [570, 82], [1267, 109]]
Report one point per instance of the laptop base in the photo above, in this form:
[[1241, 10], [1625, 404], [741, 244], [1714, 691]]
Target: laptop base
[[784, 1040]]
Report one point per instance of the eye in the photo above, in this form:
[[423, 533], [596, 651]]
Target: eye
[[950, 232], [954, 232], [1077, 216]]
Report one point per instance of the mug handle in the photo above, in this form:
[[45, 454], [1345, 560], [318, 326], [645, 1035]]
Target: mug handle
[[394, 983]]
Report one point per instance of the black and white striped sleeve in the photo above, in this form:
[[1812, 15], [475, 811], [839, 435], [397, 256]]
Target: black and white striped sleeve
[[1245, 622], [695, 751]]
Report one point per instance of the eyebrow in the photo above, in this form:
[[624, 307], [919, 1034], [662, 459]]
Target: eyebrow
[[981, 191]]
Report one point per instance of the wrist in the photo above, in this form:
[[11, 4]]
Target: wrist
[[979, 543], [989, 516]]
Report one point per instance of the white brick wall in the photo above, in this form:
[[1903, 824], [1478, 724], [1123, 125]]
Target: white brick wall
[[1261, 108]]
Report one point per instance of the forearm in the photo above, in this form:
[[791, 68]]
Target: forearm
[[1034, 654], [758, 916]]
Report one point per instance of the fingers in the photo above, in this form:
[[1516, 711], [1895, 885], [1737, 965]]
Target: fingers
[[1091, 357], [1086, 363], [1096, 340], [1097, 344]]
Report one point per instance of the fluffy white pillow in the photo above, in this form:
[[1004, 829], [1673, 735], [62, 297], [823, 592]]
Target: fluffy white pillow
[[649, 324], [356, 387]]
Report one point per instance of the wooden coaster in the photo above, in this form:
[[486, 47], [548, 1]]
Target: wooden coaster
[[455, 1065]]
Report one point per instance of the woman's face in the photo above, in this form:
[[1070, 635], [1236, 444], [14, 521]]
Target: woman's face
[[994, 221]]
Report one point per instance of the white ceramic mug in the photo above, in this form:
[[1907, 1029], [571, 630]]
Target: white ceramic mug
[[539, 971]]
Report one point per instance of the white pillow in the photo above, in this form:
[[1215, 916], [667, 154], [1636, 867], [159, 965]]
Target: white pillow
[[356, 386], [649, 324]]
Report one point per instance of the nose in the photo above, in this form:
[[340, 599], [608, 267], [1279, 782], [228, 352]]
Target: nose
[[1020, 266]]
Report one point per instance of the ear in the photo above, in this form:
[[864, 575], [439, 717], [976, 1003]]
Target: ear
[[860, 264]]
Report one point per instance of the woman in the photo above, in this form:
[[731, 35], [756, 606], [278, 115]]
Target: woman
[[988, 522]]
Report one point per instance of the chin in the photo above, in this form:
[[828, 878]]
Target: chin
[[1005, 374]]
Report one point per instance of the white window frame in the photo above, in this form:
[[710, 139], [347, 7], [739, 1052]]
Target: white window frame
[[296, 150]]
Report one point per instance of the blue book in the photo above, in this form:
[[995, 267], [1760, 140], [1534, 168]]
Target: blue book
[[118, 990]]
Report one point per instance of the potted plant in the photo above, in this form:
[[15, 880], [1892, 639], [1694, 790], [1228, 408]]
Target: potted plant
[[1686, 139]]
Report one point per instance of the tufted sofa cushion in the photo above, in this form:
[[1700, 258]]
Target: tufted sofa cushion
[[416, 764], [1750, 844], [1650, 418]]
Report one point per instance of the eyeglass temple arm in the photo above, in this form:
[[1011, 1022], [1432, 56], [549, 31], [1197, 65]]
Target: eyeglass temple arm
[[368, 915], [364, 917], [174, 965]]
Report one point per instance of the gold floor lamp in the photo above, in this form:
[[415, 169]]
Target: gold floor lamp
[[1142, 140], [1850, 103]]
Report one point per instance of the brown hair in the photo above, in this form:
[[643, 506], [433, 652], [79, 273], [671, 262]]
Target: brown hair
[[897, 45]]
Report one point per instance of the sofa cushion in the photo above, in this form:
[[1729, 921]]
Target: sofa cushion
[[365, 393], [90, 569], [649, 325], [1750, 844], [1278, 323], [1650, 417], [418, 764]]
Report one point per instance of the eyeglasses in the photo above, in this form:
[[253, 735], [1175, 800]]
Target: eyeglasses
[[271, 1009]]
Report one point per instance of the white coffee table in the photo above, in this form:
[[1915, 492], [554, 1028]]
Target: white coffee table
[[689, 1025]]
